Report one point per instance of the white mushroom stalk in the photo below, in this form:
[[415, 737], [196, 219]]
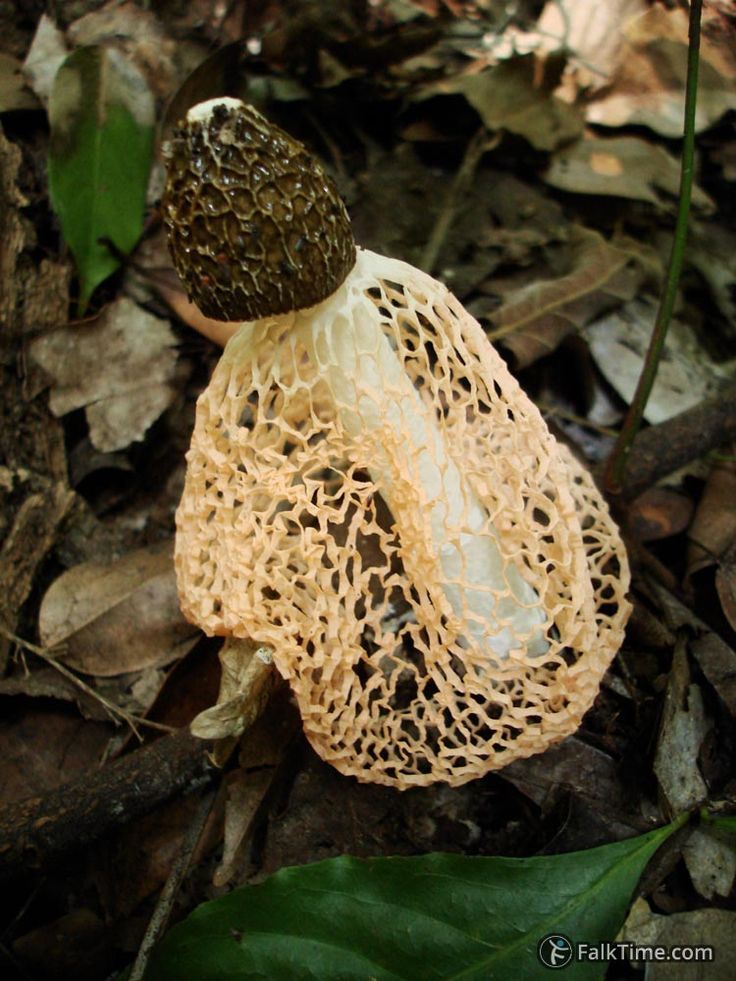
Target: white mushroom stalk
[[369, 493]]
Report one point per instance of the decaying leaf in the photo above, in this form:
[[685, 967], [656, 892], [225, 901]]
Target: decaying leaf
[[659, 513], [623, 166], [119, 617], [533, 320], [120, 367], [45, 57], [140, 34], [101, 113], [261, 752], [13, 91], [716, 927], [714, 526], [718, 663], [681, 734], [648, 87], [726, 583], [247, 682], [593, 33], [686, 374], [710, 856], [510, 97]]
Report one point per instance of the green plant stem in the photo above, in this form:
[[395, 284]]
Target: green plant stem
[[614, 472]]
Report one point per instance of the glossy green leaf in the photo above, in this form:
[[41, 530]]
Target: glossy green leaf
[[436, 916], [101, 113]]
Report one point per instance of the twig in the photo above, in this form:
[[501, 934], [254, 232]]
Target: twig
[[661, 449], [115, 711], [614, 472], [478, 145], [35, 831], [160, 917]]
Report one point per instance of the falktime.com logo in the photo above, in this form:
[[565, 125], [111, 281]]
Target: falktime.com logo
[[556, 951]]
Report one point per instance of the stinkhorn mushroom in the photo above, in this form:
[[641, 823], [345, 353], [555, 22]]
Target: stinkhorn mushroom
[[369, 493]]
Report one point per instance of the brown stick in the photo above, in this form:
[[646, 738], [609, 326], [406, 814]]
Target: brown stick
[[659, 450], [35, 831]]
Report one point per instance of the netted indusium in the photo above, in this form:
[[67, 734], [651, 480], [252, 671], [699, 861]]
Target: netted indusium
[[370, 494]]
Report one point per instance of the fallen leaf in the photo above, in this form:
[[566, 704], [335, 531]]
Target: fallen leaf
[[140, 34], [623, 166], [119, 366], [710, 856], [117, 617], [45, 57], [718, 663], [682, 730], [714, 526], [245, 687], [13, 91], [726, 583], [716, 927], [261, 752], [686, 375], [711, 249], [592, 33], [534, 319], [44, 748], [648, 86], [510, 98], [659, 513]]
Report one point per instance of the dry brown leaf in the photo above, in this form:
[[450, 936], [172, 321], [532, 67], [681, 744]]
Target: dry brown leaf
[[714, 527], [245, 687], [648, 87], [510, 97], [726, 583], [659, 513], [533, 320], [119, 617], [683, 728], [262, 750], [624, 166], [13, 91], [120, 367], [718, 663]]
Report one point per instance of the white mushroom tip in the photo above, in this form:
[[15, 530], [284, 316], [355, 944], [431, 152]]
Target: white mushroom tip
[[203, 110]]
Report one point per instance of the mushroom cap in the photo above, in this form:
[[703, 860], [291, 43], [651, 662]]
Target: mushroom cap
[[255, 225], [284, 536]]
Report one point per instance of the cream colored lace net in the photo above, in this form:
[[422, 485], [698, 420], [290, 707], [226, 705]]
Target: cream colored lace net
[[312, 527]]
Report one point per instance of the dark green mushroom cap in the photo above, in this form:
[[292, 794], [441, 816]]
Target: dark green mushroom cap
[[256, 227]]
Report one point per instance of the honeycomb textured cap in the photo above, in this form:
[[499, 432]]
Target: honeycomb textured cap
[[306, 528], [255, 225]]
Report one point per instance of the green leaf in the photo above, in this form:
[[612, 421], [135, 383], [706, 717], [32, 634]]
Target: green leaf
[[436, 916], [101, 113]]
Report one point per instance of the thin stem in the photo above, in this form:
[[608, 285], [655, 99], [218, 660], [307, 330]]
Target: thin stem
[[115, 712], [614, 473]]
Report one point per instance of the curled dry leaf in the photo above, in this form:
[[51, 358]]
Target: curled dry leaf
[[120, 367], [119, 617], [534, 319], [245, 687]]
